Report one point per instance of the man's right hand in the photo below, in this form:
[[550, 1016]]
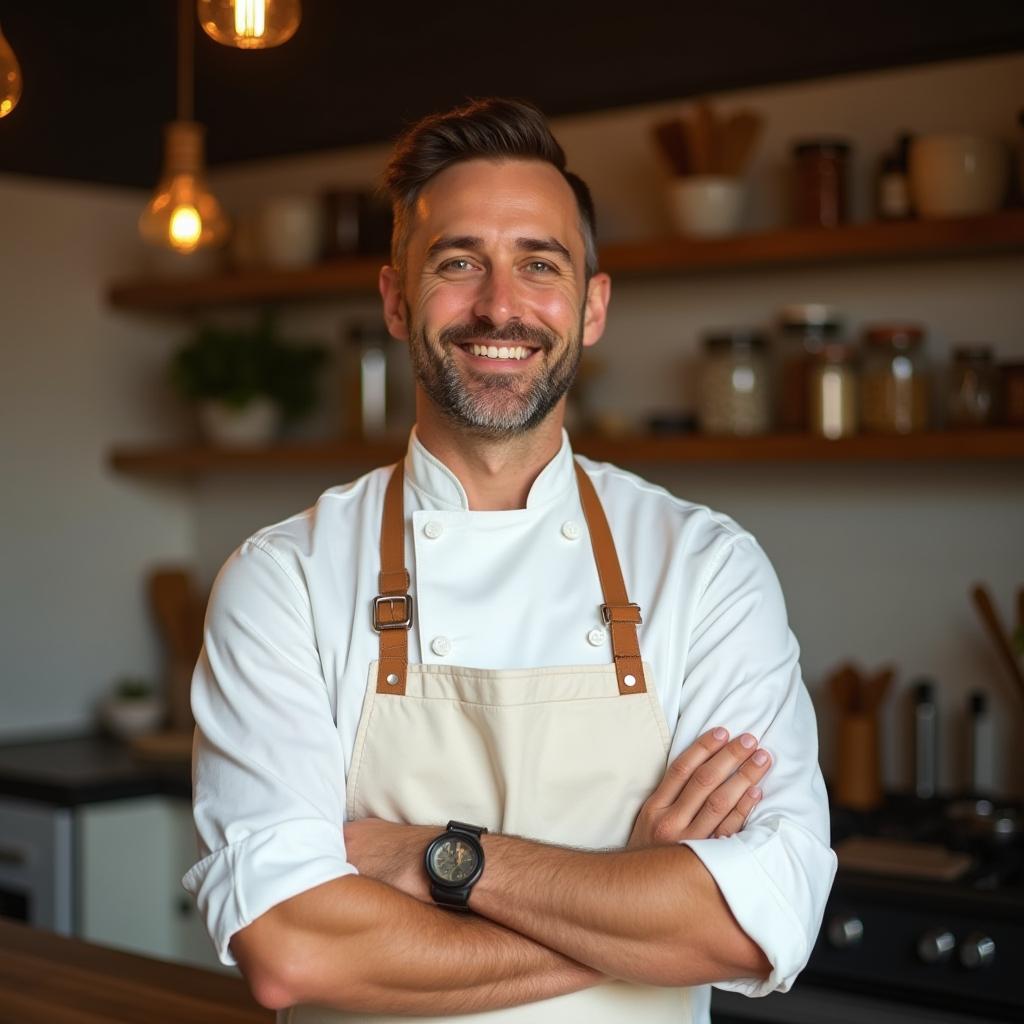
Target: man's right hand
[[708, 791]]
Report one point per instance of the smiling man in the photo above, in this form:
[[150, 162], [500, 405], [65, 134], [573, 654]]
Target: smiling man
[[462, 739]]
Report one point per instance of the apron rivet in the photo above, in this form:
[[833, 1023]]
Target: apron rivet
[[630, 680], [392, 679]]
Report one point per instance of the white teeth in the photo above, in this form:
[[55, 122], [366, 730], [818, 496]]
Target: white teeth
[[504, 352]]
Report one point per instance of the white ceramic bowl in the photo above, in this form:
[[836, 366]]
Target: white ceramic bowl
[[127, 719], [706, 205], [958, 175]]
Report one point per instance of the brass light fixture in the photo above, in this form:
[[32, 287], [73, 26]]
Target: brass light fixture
[[183, 214], [10, 78], [250, 24]]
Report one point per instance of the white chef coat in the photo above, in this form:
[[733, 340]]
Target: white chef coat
[[278, 688]]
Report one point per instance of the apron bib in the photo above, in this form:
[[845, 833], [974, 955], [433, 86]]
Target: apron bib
[[523, 752]]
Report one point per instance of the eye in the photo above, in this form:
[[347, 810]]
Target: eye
[[459, 265], [541, 267]]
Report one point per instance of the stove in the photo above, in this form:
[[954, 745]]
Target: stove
[[956, 945]]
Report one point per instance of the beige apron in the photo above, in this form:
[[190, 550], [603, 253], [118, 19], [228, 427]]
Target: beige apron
[[525, 752]]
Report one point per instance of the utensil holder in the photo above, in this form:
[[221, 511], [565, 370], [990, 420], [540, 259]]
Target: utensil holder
[[858, 783]]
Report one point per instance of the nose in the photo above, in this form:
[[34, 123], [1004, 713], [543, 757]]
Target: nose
[[498, 299]]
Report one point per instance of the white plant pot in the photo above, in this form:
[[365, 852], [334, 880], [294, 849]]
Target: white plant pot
[[706, 205], [958, 175], [252, 425], [127, 719]]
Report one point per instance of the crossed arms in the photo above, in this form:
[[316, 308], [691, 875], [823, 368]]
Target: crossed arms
[[548, 920]]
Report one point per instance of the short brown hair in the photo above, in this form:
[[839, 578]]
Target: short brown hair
[[497, 129]]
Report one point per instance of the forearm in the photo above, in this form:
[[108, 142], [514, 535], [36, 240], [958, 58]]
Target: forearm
[[360, 945], [653, 915]]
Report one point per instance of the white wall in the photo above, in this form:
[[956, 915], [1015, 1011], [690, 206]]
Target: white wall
[[875, 560], [75, 379]]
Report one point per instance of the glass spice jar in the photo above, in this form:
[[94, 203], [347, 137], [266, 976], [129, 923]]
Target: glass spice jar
[[801, 334], [832, 392], [894, 382], [735, 395], [970, 401], [820, 173]]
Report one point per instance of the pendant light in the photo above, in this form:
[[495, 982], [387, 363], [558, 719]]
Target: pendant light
[[250, 24], [10, 78], [183, 214]]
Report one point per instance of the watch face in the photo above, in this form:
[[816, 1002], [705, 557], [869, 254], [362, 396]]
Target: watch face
[[453, 860]]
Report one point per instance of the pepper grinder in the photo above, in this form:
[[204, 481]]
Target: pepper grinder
[[926, 740], [982, 777]]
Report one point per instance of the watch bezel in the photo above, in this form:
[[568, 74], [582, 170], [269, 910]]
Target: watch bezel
[[465, 883]]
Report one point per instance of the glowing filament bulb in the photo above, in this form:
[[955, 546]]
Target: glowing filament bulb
[[10, 78], [250, 18], [250, 24], [186, 227]]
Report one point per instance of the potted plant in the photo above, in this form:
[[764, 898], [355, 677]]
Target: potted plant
[[246, 382], [132, 709]]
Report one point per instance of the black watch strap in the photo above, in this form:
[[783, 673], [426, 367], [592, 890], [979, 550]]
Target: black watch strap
[[445, 895]]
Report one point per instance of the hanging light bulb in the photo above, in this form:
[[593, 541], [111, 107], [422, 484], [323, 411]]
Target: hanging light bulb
[[10, 78], [250, 24], [183, 214]]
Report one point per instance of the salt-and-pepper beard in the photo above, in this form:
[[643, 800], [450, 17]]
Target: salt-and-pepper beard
[[440, 378]]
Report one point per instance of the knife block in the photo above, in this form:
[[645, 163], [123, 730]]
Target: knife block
[[858, 778]]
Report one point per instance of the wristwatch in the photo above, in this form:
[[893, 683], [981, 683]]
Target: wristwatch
[[454, 863]]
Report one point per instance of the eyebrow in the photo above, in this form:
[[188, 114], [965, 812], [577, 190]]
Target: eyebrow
[[474, 242]]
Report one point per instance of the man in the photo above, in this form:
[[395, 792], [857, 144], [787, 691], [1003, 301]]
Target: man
[[499, 637]]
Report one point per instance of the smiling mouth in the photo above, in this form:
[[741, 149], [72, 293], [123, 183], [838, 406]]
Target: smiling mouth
[[509, 353]]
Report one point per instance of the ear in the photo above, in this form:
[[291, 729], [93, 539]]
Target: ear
[[595, 312], [390, 284]]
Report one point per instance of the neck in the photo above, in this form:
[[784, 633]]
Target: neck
[[495, 473]]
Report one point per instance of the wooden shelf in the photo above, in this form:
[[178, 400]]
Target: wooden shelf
[[937, 446], [924, 239]]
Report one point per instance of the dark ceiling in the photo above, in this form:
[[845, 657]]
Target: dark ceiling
[[100, 76]]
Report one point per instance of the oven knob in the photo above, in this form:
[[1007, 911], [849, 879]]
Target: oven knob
[[936, 946], [845, 931], [976, 951]]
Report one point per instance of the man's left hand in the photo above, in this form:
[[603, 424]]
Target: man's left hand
[[391, 853]]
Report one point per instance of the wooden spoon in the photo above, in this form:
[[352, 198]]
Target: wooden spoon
[[990, 617], [671, 139], [742, 130]]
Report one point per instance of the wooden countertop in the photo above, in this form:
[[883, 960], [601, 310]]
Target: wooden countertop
[[48, 979]]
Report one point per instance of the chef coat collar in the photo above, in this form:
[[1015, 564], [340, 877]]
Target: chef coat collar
[[441, 487]]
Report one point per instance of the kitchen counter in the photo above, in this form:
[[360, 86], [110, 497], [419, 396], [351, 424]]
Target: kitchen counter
[[86, 769], [47, 978]]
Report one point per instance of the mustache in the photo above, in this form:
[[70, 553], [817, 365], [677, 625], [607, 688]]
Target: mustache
[[514, 330]]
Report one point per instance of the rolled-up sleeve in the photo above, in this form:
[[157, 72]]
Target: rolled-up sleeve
[[743, 672], [268, 768]]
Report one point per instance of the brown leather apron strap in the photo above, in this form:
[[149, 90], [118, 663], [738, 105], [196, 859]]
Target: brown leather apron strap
[[392, 608], [620, 614]]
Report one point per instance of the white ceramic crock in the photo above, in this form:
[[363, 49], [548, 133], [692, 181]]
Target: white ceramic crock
[[706, 205]]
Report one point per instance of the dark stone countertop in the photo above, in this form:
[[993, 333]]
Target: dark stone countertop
[[86, 769]]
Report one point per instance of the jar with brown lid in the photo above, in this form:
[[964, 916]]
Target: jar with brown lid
[[734, 393], [832, 391], [972, 387], [820, 189], [895, 380]]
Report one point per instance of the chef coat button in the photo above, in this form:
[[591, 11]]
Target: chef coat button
[[570, 530], [433, 529], [596, 637], [441, 646]]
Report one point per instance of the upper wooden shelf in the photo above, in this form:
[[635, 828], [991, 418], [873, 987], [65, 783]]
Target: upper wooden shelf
[[936, 446], [852, 243]]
